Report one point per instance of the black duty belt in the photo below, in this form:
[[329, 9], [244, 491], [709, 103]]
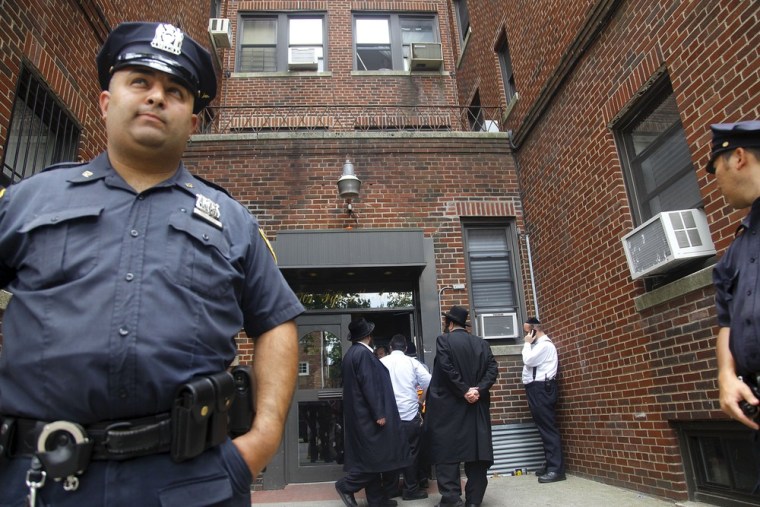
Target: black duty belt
[[110, 441], [63, 449]]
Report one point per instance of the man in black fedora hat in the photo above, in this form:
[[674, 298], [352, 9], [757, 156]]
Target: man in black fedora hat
[[372, 422], [458, 420]]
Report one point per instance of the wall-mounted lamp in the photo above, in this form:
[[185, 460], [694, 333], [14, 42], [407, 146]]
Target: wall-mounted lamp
[[348, 187]]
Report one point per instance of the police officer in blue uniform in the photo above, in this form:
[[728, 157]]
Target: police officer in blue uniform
[[130, 279], [735, 162]]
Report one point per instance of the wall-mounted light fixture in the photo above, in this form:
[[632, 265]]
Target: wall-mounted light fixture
[[348, 187]]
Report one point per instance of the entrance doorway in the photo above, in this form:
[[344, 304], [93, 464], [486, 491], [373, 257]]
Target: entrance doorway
[[314, 431]]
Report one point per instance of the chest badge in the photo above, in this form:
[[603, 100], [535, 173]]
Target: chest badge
[[207, 210]]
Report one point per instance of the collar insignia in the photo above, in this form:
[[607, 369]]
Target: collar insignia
[[207, 210], [168, 38], [87, 174], [189, 185]]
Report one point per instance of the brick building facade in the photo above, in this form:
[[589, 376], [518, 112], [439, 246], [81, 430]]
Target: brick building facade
[[639, 394], [509, 151]]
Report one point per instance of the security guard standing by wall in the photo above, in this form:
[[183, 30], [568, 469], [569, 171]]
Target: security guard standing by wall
[[130, 280], [735, 162]]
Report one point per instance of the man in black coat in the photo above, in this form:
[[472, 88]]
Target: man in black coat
[[374, 439], [458, 421]]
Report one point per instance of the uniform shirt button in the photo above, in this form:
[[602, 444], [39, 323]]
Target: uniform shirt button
[[123, 331], [134, 233], [54, 219], [751, 260], [749, 292], [122, 393], [183, 210], [205, 237], [129, 277]]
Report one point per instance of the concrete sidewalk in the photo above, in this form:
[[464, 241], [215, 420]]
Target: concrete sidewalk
[[503, 491]]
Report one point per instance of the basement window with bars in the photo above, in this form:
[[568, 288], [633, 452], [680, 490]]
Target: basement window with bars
[[41, 131], [720, 466]]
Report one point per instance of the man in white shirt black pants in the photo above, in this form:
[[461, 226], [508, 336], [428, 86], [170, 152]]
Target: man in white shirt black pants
[[539, 376], [406, 375]]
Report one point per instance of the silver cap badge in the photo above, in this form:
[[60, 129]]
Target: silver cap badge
[[168, 38]]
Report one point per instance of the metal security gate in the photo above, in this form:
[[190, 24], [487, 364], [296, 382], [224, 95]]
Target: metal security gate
[[516, 446]]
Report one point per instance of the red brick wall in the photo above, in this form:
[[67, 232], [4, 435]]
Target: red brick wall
[[422, 181], [626, 374], [59, 41], [341, 88]]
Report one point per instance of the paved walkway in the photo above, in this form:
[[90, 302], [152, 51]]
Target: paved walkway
[[503, 491]]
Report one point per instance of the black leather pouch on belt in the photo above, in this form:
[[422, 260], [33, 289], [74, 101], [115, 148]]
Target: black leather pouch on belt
[[199, 415]]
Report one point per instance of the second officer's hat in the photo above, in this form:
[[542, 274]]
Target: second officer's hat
[[729, 136], [162, 47]]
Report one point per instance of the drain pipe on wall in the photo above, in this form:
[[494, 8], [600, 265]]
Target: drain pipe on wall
[[513, 148], [530, 268]]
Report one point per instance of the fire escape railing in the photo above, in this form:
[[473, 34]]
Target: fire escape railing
[[346, 118]]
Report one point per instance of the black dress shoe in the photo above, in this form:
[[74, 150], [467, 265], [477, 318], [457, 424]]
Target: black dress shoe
[[472, 505], [415, 495], [348, 498], [541, 471], [551, 477]]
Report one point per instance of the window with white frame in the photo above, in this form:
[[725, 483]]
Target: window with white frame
[[655, 156], [490, 256], [383, 42], [41, 131], [303, 368], [267, 41]]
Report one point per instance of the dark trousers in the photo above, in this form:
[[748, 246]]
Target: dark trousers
[[217, 477], [413, 431], [368, 481], [542, 400], [450, 482]]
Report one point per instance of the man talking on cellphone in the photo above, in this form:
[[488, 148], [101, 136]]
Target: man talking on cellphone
[[539, 376]]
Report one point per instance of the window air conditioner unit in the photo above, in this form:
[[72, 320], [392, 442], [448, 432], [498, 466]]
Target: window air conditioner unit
[[497, 325], [425, 56], [667, 240], [220, 32], [302, 59]]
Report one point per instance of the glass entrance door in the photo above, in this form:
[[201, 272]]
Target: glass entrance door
[[315, 424]]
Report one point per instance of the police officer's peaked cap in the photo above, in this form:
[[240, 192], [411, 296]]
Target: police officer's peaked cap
[[162, 47], [729, 136]]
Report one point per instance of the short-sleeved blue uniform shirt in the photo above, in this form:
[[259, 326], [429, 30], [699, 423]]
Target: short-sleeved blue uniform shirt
[[737, 293], [120, 297]]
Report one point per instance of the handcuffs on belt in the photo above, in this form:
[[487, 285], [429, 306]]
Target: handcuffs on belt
[[63, 451], [199, 421]]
